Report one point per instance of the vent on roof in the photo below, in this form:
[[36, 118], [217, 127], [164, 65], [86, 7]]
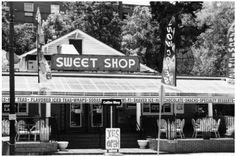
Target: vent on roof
[[77, 44]]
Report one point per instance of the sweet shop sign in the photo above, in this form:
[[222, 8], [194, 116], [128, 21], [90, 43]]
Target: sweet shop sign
[[95, 63]]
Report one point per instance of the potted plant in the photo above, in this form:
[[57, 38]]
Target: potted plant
[[62, 145], [142, 141]]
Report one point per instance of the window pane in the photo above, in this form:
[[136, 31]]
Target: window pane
[[75, 119], [55, 9], [97, 115], [5, 108], [29, 7], [154, 108], [146, 108], [166, 107], [22, 108], [19, 108]]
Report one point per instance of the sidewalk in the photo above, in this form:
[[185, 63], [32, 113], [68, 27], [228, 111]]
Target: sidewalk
[[132, 151], [124, 151]]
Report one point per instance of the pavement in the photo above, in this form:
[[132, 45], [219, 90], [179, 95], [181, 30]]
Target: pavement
[[132, 152]]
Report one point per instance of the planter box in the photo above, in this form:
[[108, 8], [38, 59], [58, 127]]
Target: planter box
[[194, 145], [26, 148]]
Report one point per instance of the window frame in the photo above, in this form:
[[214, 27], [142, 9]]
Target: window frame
[[92, 109], [157, 113], [26, 8], [81, 111], [18, 113]]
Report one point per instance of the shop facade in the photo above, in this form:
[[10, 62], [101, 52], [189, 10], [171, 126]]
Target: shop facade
[[75, 104], [74, 99]]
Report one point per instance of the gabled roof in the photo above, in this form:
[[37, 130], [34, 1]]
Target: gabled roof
[[91, 46]]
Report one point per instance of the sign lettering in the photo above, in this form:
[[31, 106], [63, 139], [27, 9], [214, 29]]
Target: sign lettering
[[95, 63], [169, 60], [112, 138], [231, 54], [91, 100], [111, 102]]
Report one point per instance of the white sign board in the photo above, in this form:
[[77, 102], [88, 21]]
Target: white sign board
[[112, 138]]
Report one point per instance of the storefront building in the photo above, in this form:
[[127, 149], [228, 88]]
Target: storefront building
[[74, 99]]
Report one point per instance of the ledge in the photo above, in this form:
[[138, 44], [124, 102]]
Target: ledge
[[194, 145], [35, 147]]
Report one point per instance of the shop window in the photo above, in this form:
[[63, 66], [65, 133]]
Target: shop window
[[20, 108], [96, 115], [131, 105], [29, 9], [55, 9], [153, 109], [76, 115]]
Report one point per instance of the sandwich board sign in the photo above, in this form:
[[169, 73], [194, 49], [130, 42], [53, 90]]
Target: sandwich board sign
[[112, 139]]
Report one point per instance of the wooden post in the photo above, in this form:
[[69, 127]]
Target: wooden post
[[138, 113], [111, 112], [12, 114], [161, 102]]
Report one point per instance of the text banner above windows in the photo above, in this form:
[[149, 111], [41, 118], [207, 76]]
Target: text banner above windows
[[96, 100]]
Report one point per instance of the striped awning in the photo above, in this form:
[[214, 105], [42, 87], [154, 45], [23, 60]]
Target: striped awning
[[90, 89]]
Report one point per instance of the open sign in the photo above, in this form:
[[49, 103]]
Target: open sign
[[112, 138]]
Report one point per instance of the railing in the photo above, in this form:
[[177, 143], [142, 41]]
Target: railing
[[31, 128], [203, 127]]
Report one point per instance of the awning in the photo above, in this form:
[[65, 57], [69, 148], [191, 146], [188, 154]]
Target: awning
[[92, 89]]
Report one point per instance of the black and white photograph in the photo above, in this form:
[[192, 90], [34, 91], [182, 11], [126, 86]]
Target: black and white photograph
[[118, 78]]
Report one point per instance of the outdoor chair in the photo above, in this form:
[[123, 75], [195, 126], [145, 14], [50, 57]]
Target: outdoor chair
[[179, 127], [196, 128], [5, 127], [230, 128], [35, 130], [163, 126], [215, 127], [21, 129]]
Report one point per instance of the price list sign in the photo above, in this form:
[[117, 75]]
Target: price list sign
[[112, 139]]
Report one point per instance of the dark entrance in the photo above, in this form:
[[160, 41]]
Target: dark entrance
[[85, 124]]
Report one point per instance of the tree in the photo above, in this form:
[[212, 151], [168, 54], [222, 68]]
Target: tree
[[57, 25], [24, 35], [98, 19], [210, 50], [186, 30], [136, 33]]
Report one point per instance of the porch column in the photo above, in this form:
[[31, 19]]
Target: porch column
[[138, 113], [210, 109], [39, 110], [48, 112], [48, 109]]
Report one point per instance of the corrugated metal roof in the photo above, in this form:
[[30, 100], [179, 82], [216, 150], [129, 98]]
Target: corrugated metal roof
[[119, 87]]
